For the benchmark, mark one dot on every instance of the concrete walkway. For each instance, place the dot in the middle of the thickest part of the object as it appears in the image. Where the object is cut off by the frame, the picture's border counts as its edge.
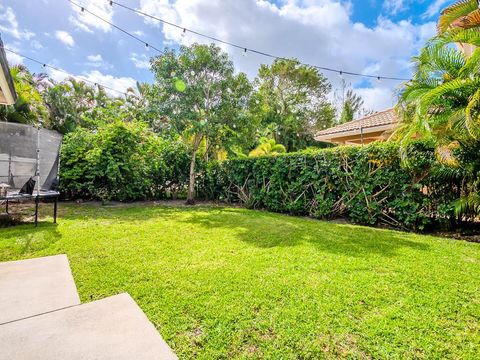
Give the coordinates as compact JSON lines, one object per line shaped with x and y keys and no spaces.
{"x":111,"y":328}
{"x":34,"y":286}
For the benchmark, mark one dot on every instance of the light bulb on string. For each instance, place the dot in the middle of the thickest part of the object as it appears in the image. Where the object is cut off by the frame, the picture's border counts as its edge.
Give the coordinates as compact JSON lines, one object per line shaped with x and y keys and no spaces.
{"x":184,"y":33}
{"x":147,"y":46}
{"x":245,"y":52}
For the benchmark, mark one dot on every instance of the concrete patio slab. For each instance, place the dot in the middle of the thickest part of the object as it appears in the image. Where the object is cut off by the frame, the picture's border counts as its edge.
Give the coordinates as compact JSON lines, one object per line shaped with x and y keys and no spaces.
{"x":111,"y":328}
{"x":35,"y":286}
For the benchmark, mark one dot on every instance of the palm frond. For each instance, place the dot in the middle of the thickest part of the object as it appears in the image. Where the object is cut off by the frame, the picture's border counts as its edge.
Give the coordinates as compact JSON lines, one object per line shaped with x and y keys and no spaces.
{"x":471,"y":118}
{"x":445,"y":154}
{"x":454,"y":13}
{"x":468,"y":205}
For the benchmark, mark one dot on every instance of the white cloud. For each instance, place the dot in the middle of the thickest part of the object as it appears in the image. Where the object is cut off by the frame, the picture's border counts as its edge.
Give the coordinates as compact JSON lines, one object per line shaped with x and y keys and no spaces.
{"x":87,"y":22}
{"x":9,"y":25}
{"x":65,"y":38}
{"x":79,"y":25}
{"x":393,"y":6}
{"x":117,"y":83}
{"x":138,"y":33}
{"x":95,"y":58}
{"x":35,"y":44}
{"x":13,"y":59}
{"x":95,"y":76}
{"x":377,"y":98}
{"x":319,"y":32}
{"x":58,"y":75}
{"x":434,"y":8}
{"x":140,"y":61}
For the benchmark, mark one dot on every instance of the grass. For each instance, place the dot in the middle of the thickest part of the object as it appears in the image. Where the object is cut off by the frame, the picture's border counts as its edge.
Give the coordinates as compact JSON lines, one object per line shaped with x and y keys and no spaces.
{"x":235,"y":283}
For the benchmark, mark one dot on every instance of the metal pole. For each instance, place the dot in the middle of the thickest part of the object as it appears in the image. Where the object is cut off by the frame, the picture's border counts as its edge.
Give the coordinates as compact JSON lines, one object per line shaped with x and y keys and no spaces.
{"x":36,"y":210}
{"x":55,"y":210}
{"x":38,"y":161}
{"x":38,"y":176}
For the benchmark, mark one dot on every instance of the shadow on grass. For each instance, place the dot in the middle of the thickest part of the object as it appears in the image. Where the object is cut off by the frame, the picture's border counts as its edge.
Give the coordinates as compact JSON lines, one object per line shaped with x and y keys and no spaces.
{"x":266,"y":230}
{"x":261,"y":229}
{"x":23,"y":239}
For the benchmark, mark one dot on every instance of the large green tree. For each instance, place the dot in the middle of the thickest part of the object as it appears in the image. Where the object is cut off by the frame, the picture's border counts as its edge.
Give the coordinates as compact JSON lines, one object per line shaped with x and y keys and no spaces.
{"x":293,"y":98}
{"x":205,"y":101}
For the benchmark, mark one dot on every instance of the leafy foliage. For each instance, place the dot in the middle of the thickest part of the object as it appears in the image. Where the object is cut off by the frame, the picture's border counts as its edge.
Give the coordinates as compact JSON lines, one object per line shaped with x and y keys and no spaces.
{"x":291,"y":100}
{"x":29,"y":107}
{"x":122,"y":161}
{"x":199,"y":92}
{"x":268,"y":147}
{"x":367,"y":184}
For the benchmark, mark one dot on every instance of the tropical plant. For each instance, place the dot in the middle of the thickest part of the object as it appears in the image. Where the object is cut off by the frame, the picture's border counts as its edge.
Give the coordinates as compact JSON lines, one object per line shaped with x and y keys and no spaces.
{"x":29,"y":107}
{"x":442,"y":103}
{"x":352,"y":105}
{"x":463,"y":14}
{"x":267,"y":147}
{"x":293,"y":98}
{"x":199,"y":92}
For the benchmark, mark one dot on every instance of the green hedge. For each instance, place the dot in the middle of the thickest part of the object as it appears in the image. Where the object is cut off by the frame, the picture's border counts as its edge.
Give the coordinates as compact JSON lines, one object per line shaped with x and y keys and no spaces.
{"x":367,"y":185}
{"x":122,"y":161}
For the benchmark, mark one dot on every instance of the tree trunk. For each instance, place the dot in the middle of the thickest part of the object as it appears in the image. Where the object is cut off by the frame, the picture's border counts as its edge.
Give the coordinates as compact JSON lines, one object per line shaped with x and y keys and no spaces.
{"x":191,"y":180}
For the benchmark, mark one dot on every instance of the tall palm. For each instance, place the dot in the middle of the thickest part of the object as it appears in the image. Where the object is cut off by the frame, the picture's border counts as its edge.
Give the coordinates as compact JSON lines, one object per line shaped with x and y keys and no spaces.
{"x":442,"y":103}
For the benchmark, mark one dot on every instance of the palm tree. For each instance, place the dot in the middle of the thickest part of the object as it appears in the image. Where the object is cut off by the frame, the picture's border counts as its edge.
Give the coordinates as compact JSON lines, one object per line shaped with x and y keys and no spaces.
{"x":267,"y":147}
{"x":464,"y":14}
{"x":352,"y":105}
{"x":442,"y":103}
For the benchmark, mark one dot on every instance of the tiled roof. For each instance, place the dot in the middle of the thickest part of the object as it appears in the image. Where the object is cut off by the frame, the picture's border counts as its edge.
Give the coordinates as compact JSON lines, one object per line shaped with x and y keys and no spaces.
{"x":378,"y":119}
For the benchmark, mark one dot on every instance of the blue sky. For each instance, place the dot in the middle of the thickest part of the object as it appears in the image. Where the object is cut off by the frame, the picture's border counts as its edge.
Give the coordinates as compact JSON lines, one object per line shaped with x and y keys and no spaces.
{"x":369,"y":36}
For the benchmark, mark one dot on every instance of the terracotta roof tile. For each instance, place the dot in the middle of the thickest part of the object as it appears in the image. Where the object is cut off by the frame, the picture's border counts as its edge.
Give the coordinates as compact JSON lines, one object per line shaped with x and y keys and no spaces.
{"x":378,"y":119}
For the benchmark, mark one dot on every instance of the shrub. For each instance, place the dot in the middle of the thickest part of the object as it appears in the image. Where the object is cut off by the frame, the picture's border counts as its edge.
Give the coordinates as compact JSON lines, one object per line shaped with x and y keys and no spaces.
{"x":122,"y":161}
{"x":368,"y":185}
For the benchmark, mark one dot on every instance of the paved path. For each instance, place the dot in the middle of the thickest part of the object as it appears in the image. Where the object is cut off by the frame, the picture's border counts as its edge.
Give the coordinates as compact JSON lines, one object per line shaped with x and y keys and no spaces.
{"x":42,"y":318}
{"x":35,"y":286}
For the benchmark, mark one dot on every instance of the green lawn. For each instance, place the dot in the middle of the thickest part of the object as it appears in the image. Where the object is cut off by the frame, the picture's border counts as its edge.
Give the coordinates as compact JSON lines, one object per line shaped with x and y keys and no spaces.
{"x":234,"y":283}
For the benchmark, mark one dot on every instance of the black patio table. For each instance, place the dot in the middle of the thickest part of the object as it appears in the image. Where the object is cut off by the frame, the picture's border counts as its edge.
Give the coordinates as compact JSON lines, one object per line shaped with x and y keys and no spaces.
{"x":36,"y":196}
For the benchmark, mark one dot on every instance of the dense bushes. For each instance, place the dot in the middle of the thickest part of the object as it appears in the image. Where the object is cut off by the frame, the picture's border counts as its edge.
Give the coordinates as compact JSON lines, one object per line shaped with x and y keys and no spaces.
{"x":122,"y":161}
{"x":368,"y":185}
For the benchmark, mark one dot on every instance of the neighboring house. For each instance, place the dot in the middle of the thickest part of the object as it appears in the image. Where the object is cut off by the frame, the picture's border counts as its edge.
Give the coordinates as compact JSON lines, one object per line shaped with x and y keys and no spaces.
{"x":378,"y":126}
{"x":8,"y":95}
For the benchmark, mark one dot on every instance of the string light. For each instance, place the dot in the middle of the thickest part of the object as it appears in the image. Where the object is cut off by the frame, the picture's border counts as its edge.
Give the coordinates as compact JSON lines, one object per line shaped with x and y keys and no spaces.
{"x":45,"y":65}
{"x":245,"y":49}
{"x":147,"y":46}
